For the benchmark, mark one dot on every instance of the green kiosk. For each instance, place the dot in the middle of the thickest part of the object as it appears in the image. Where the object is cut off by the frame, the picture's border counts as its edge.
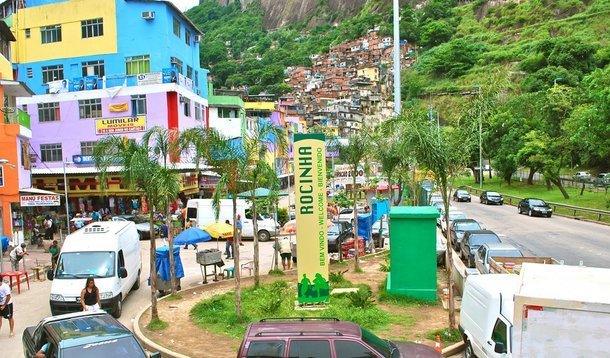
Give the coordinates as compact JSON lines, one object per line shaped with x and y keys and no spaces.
{"x":413,"y":252}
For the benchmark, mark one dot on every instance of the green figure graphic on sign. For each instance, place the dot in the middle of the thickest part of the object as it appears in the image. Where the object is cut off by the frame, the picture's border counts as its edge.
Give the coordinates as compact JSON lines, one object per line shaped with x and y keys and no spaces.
{"x":305,"y":283}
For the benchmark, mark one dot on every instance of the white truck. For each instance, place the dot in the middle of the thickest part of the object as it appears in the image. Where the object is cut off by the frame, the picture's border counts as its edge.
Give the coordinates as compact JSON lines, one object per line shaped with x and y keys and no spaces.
{"x":545,"y":311}
{"x":200,"y":212}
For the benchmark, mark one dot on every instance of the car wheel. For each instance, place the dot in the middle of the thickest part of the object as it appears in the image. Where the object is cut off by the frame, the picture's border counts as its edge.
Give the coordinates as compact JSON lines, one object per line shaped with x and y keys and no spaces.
{"x":529,"y":212}
{"x":118,"y":308}
{"x":263,"y":236}
{"x":137,"y":284}
{"x":468,"y":352}
{"x":549,"y":215}
{"x":519,"y":209}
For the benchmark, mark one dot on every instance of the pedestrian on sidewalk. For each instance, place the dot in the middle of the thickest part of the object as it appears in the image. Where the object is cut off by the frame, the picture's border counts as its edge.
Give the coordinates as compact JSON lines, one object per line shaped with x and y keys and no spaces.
{"x":239,"y":226}
{"x":17,"y":255}
{"x":286,"y":253}
{"x":90,"y":296}
{"x":6,"y":307}
{"x":48,"y":228}
{"x":229,"y":249}
{"x":54,"y":250}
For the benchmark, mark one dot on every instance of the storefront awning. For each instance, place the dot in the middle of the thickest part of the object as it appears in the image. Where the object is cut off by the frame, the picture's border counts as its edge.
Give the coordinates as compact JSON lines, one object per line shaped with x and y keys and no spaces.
{"x":36,"y":191}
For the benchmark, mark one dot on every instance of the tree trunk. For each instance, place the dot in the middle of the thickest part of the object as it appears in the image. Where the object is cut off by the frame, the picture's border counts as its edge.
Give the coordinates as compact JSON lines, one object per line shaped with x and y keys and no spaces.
{"x":170,"y":240}
{"x":449,"y":263}
{"x":355,"y":227}
{"x":582,"y":188}
{"x":237,"y":268}
{"x":549,"y":187}
{"x":563,"y":191}
{"x":154,"y":313}
{"x":530,"y":176}
{"x":255,"y":227}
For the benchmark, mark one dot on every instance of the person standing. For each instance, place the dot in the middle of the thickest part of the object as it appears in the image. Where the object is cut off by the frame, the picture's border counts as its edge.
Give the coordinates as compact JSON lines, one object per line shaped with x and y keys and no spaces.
{"x":17,"y":255}
{"x":6,"y":307}
{"x":54,"y":250}
{"x":286,"y":253}
{"x":239,"y":226}
{"x":229,"y":244}
{"x":48,"y":228}
{"x":90,"y":296}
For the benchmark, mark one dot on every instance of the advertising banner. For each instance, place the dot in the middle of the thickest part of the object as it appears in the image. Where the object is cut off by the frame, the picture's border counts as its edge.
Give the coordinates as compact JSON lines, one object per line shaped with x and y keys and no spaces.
{"x":312,"y":244}
{"x":91,"y":83}
{"x":120,"y":125}
{"x":344,"y":175}
{"x":169,"y":75}
{"x":151,"y":78}
{"x":39,"y":200}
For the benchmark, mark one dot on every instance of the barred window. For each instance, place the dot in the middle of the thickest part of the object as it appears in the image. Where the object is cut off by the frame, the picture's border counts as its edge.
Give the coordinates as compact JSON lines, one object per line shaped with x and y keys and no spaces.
{"x":86,"y":148}
{"x":187,"y":106}
{"x":50,"y":34}
{"x":189,"y":72}
{"x":52,"y":73}
{"x":177,"y":27}
{"x":138,"y":105}
{"x":50,"y":152}
{"x":92,"y":28}
{"x":48,"y":112}
{"x":90,"y":108}
{"x":187,"y":37}
{"x":137,"y":64}
{"x":93,"y":68}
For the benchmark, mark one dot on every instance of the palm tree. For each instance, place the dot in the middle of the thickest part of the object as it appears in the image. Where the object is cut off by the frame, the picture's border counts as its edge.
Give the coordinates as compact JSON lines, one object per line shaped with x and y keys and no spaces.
{"x":353,"y":153}
{"x":143,"y":173}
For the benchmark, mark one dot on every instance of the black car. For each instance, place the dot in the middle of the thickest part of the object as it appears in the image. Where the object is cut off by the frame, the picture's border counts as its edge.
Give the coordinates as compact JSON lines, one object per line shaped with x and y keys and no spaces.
{"x":535,"y":207}
{"x":82,"y":334}
{"x":471,"y":242}
{"x":340,"y":231}
{"x":458,"y":228}
{"x":461,"y":195}
{"x":491,"y":197}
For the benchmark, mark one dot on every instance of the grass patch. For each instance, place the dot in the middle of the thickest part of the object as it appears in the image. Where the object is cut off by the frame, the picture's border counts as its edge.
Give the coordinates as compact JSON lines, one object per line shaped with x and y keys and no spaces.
{"x":447,"y":336}
{"x":174,"y":297}
{"x":401,"y":301}
{"x":340,"y":264}
{"x":277,"y":300}
{"x":276,"y":272}
{"x":358,"y":269}
{"x":157,"y":325}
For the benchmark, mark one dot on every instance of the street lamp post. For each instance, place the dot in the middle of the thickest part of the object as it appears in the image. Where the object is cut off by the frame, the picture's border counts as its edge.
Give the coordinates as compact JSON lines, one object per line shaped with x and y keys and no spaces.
{"x":66,"y":195}
{"x":480,"y":140}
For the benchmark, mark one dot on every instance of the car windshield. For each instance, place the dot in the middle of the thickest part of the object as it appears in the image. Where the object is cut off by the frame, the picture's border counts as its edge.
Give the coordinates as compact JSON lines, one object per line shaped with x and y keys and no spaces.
{"x":381,"y":346}
{"x":118,"y":347}
{"x":478,"y":240}
{"x":85,"y":264}
{"x":462,"y":192}
{"x":505,"y":253}
{"x":335,"y":229}
{"x":537,"y":202}
{"x":492,"y":194}
{"x":467,"y":226}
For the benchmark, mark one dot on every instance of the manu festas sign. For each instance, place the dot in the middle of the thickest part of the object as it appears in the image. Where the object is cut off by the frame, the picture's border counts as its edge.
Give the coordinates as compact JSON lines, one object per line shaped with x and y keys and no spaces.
{"x":39,"y":200}
{"x":120,"y":125}
{"x":312,"y":244}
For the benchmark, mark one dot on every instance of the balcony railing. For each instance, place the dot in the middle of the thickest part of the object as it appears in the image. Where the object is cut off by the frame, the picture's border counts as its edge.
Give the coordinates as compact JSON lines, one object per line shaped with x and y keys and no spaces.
{"x":14,"y":115}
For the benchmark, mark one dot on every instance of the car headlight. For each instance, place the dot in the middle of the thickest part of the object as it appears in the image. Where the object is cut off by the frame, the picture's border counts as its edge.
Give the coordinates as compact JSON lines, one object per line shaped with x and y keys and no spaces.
{"x":105,"y":295}
{"x":56,"y":297}
{"x":537,"y":209}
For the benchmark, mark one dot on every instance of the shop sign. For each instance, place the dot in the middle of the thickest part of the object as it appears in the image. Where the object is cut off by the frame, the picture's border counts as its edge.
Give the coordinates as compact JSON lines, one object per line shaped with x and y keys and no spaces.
{"x":312,"y":244}
{"x":39,"y":200}
{"x":151,"y":78}
{"x":82,"y":159}
{"x":120,"y":125}
{"x":344,"y":175}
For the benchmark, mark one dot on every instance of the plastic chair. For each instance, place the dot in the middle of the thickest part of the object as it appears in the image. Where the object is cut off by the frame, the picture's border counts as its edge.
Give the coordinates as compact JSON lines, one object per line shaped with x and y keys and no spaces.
{"x":248,"y":266}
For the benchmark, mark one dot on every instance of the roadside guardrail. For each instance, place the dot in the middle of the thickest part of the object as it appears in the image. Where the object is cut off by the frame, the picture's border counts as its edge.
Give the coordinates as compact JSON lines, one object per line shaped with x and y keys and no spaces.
{"x":575,"y":212}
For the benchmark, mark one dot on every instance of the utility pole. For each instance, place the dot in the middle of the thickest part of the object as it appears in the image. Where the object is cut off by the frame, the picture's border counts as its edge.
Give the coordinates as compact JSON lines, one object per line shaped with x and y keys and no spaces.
{"x":397,"y":99}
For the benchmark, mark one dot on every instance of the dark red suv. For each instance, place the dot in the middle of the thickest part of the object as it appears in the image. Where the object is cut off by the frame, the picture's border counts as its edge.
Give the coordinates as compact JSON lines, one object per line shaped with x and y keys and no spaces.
{"x":322,"y":338}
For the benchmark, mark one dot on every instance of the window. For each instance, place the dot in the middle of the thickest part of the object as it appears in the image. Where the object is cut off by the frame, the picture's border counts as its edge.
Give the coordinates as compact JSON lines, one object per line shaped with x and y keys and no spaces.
{"x":50,"y":152}
{"x":187,"y":106}
{"x":187,"y":37}
{"x":48,"y":112}
{"x":227,"y":113}
{"x":351,"y":349}
{"x":92,"y":28}
{"x":197,"y":111}
{"x":50,"y":34}
{"x":138,"y":105}
{"x":499,"y":334}
{"x":311,"y":349}
{"x":52,"y":73}
{"x":93,"y":68}
{"x":176,"y":27}
{"x":30,"y":72}
{"x":2,"y":184}
{"x":196,"y":79}
{"x":137,"y":64}
{"x":271,"y":349}
{"x":86,"y":148}
{"x":189,"y":72}
{"x":177,"y":63}
{"x":27,"y":33}
{"x":90,"y":108}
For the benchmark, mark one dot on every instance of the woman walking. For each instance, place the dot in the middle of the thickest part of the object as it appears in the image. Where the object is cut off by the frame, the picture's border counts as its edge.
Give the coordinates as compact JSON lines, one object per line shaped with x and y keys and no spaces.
{"x":54,"y":250}
{"x":90,"y":296}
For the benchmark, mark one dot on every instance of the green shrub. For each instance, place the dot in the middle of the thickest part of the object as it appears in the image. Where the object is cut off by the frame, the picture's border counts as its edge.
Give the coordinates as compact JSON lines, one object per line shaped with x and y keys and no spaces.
{"x":363,"y":298}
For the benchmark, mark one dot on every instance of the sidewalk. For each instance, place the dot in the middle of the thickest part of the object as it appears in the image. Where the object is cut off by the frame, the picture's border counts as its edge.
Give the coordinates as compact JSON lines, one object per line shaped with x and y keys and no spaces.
{"x":36,"y":257}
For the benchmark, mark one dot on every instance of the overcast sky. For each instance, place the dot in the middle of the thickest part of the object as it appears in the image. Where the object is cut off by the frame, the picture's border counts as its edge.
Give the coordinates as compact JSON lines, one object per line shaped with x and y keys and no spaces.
{"x":185,"y":4}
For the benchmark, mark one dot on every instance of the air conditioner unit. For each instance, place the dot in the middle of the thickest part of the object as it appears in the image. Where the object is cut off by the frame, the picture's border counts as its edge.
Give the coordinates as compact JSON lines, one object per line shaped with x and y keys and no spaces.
{"x":148,"y":15}
{"x":197,"y":38}
{"x":173,"y":60}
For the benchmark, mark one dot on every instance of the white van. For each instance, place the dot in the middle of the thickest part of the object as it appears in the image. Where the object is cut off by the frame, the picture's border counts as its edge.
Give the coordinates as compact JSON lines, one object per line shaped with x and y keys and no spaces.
{"x":109,"y":252}
{"x":486,"y":314}
{"x":200,"y":212}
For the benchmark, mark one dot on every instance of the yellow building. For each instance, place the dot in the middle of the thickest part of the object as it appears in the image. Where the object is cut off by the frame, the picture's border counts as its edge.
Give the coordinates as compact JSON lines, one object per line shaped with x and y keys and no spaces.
{"x":372,"y":73}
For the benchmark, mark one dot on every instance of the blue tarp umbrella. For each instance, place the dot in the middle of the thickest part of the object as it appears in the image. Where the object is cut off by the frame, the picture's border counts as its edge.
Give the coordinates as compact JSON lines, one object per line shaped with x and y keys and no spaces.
{"x":192,"y":236}
{"x":162,"y":263}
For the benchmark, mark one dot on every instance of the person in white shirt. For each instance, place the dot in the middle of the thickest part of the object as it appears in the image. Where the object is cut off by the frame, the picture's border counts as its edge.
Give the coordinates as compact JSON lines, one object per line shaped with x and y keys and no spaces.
{"x":16,"y":255}
{"x":6,"y":307}
{"x":286,"y":252}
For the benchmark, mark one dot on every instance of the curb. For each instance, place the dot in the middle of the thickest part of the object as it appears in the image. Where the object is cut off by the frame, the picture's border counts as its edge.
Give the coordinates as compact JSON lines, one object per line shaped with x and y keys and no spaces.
{"x":453,"y":349}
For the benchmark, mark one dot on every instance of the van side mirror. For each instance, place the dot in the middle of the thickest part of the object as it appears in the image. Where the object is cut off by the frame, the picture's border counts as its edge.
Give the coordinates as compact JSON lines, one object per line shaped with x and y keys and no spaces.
{"x":122,"y":272}
{"x":499,"y":348}
{"x":50,"y":275}
{"x":155,"y":355}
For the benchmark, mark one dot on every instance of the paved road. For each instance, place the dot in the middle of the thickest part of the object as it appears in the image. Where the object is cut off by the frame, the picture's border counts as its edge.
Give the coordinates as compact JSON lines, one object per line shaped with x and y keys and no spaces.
{"x":562,"y":238}
{"x":33,"y":305}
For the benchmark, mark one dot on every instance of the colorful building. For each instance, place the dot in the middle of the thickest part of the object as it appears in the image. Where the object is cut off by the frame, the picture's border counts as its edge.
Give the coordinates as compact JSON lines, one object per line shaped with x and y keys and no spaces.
{"x":105,"y":67}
